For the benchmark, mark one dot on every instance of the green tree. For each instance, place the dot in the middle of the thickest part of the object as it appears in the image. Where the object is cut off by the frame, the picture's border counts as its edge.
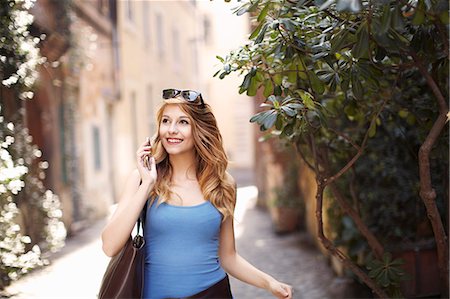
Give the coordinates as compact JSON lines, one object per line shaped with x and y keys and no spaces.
{"x":346,"y":81}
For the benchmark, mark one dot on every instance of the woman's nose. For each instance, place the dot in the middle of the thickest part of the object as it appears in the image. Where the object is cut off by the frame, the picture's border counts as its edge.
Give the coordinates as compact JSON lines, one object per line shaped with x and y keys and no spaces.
{"x":173,"y":128}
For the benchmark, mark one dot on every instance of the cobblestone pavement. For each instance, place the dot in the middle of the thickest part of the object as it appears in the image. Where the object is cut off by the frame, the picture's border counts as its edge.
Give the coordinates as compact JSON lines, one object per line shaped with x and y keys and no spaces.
{"x":291,"y":258}
{"x":77,"y":270}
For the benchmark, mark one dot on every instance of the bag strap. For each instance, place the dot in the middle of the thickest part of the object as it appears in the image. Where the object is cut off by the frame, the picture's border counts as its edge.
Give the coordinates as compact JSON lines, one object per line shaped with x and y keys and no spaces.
{"x":139,"y":240}
{"x":142,"y":216}
{"x":141,"y":219}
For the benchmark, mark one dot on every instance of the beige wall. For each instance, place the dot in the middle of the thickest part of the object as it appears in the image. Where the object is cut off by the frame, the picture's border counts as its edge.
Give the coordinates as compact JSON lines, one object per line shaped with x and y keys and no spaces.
{"x":91,"y":58}
{"x":233,"y":111}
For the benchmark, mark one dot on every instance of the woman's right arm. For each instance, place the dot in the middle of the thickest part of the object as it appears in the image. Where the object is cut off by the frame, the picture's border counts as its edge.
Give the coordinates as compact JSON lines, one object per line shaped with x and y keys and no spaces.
{"x":119,"y":227}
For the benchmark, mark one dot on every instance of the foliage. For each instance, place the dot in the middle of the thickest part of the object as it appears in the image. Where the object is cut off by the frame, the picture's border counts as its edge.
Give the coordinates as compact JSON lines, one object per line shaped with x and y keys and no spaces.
{"x":19,"y":54}
{"x":388,"y":273}
{"x":334,"y":73}
{"x":15,"y":260}
{"x":30,"y":215}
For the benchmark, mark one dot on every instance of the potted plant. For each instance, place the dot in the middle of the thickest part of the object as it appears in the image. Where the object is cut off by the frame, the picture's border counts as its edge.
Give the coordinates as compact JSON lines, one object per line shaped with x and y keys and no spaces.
{"x":285,"y":205}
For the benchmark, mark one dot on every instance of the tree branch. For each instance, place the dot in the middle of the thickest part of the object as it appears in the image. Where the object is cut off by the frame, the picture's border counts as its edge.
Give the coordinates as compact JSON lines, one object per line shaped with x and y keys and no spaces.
{"x":427,"y":192}
{"x":336,"y":252}
{"x":361,"y":148}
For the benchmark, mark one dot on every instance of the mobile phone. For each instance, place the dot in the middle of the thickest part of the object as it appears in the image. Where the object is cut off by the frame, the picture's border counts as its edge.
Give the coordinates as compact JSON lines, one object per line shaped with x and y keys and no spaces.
{"x":147,"y":157}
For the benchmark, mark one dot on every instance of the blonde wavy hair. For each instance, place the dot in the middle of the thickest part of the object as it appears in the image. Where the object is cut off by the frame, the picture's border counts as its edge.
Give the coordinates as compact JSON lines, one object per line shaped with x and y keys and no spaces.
{"x":211,"y":159}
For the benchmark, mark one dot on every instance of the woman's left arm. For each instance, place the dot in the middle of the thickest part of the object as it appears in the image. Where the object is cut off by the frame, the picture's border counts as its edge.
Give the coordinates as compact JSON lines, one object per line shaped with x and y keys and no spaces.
{"x":239,"y":268}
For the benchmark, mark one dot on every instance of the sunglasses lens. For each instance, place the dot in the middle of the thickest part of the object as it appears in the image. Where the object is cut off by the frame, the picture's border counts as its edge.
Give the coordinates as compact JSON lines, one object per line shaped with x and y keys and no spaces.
{"x":190,"y":95}
{"x":170,"y":93}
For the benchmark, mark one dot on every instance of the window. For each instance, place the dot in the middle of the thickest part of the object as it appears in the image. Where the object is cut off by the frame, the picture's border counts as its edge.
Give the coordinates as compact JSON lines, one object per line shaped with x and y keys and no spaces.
{"x":194,"y":55}
{"x":134,"y":119}
{"x":159,"y":35}
{"x":206,"y":30}
{"x":103,"y":7}
{"x":146,"y":23}
{"x":176,"y":50}
{"x":96,"y":148}
{"x":62,"y":142}
{"x":151,"y":110}
{"x":129,"y":10}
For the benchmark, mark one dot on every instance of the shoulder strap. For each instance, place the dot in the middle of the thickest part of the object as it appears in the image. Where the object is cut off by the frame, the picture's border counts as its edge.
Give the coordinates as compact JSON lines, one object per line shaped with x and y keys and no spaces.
{"x":141,"y":219}
{"x":142,"y":216}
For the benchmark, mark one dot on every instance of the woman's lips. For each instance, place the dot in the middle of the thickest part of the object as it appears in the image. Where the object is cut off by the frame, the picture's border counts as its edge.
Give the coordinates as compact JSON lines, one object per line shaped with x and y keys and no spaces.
{"x":174,"y":141}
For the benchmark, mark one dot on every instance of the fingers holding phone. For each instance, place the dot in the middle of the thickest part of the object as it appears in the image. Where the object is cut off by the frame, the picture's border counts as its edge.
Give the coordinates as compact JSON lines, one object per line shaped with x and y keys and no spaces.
{"x":146,"y":162}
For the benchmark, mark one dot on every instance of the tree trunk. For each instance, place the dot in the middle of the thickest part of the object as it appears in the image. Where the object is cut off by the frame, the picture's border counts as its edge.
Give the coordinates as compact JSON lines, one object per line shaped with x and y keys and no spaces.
{"x":336,"y":252}
{"x":428,"y":195}
{"x":427,"y":192}
{"x":373,"y":242}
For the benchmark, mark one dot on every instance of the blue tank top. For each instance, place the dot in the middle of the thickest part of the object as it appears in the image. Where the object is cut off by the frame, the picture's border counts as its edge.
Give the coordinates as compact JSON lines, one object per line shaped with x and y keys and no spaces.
{"x":181,"y":250}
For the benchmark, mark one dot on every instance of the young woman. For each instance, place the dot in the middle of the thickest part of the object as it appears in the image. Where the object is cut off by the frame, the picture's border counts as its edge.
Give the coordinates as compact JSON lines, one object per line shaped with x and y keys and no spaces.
{"x":190,"y":245}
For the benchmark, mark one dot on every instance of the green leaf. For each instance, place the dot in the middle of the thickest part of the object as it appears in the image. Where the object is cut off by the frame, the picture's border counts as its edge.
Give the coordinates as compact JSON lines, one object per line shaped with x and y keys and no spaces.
{"x":403,"y":113}
{"x":443,"y":16}
{"x":247,"y":80}
{"x":387,"y":258}
{"x":292,"y":76}
{"x":338,"y":41}
{"x":256,"y":31}
{"x":259,"y":76}
{"x":264,"y":12}
{"x":307,"y":100}
{"x":268,"y":88}
{"x":419,"y":16}
{"x":385,"y":19}
{"x":269,"y":120}
{"x":400,"y":39}
{"x":258,"y":116}
{"x":357,"y":87}
{"x":397,"y":21}
{"x":261,"y":34}
{"x":372,"y":129}
{"x":279,"y":122}
{"x":375,"y":271}
{"x":289,"y":112}
{"x":326,"y":4}
{"x":277,"y":79}
{"x":277,"y":90}
{"x":253,"y":6}
{"x":242,"y":10}
{"x":253,"y":87}
{"x":361,"y":47}
{"x":411,"y":119}
{"x":317,"y":85}
{"x":288,"y":24}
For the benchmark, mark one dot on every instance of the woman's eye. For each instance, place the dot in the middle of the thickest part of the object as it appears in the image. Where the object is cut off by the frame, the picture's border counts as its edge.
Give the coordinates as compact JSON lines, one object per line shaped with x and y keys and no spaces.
{"x":164,"y":121}
{"x":184,"y":122}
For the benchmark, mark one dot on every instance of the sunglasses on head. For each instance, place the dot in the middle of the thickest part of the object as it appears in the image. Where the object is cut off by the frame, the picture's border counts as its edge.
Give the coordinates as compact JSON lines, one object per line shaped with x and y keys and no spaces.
{"x":188,"y":95}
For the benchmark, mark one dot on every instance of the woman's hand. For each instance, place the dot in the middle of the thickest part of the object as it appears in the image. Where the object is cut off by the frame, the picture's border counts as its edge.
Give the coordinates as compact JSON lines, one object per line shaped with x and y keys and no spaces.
{"x":148,"y":174}
{"x":280,"y":290}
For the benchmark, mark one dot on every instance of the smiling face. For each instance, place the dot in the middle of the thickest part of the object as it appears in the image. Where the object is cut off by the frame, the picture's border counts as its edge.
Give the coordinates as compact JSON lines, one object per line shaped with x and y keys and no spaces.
{"x":175,"y":131}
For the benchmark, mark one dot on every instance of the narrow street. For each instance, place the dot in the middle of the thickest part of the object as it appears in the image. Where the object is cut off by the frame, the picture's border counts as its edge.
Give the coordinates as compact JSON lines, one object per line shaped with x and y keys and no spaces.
{"x":76,"y":271}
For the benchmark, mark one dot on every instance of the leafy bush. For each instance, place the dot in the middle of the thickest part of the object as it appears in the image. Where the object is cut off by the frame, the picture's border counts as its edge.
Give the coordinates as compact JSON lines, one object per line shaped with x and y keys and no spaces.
{"x":30,"y":215}
{"x":360,"y":88}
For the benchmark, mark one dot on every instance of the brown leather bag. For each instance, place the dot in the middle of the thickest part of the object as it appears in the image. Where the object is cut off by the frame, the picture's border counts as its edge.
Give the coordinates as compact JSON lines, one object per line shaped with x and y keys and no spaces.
{"x":124,"y":275}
